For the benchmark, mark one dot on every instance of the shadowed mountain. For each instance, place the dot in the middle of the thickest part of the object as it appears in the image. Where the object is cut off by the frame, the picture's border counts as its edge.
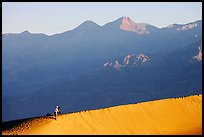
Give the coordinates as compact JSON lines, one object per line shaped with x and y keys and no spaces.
{"x":68,"y":67}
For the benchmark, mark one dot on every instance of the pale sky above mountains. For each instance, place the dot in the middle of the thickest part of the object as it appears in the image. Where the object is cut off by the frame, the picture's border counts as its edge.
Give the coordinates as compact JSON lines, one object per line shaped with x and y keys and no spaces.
{"x":52,"y":17}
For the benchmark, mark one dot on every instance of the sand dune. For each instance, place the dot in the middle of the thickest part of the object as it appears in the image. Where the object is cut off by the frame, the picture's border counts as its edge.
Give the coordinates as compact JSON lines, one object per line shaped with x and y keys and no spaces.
{"x":167,"y":116}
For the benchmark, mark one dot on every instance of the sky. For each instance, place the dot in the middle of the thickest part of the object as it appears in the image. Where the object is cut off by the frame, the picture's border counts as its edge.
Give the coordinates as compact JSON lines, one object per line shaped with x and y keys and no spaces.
{"x":56,"y":17}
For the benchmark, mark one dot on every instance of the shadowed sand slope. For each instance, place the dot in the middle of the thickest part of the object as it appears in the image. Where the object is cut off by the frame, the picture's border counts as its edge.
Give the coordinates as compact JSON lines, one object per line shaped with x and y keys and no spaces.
{"x":167,"y":116}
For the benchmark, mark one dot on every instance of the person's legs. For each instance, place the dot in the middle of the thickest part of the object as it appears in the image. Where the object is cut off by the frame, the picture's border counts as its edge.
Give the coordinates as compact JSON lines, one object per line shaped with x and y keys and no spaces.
{"x":55,"y":115}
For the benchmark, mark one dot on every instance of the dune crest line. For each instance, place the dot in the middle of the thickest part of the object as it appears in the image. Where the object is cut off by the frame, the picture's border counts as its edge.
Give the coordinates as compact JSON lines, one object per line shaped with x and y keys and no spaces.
{"x":167,"y":116}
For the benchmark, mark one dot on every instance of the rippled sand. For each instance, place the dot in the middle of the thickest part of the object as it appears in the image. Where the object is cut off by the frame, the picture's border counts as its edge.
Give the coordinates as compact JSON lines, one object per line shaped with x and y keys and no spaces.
{"x":167,"y":116}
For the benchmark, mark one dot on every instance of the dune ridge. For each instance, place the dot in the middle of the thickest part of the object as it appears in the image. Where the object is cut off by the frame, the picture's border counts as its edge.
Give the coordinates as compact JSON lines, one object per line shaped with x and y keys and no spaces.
{"x":167,"y":116}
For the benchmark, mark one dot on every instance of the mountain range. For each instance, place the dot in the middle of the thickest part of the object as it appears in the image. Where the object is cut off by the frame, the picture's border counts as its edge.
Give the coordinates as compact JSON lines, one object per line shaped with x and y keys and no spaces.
{"x":96,"y":66}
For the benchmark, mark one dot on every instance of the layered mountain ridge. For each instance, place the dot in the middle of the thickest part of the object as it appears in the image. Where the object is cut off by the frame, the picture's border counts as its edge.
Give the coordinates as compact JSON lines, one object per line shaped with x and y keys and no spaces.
{"x":127,"y":24}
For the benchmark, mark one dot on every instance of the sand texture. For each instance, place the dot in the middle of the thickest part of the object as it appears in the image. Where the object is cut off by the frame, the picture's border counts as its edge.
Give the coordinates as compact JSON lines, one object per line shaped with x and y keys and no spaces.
{"x":167,"y":116}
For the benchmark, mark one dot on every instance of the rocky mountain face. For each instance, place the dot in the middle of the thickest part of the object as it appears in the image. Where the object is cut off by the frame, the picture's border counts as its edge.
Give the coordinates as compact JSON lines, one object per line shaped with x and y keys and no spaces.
{"x":129,"y":25}
{"x":69,"y":68}
{"x":130,"y":60}
{"x":188,"y":26}
{"x":199,"y":56}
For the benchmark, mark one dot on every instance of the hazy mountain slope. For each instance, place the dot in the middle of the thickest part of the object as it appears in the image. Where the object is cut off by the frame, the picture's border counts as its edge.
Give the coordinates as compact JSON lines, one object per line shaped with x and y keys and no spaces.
{"x":173,"y":75}
{"x":66,"y":65}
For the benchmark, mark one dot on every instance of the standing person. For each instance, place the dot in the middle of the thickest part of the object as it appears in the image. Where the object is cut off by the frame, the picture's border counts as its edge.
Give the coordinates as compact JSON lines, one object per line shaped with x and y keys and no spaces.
{"x":56,"y":111}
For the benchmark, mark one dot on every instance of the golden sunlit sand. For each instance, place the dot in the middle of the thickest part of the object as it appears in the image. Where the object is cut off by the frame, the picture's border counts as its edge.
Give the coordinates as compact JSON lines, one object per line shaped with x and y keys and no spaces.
{"x":167,"y":116}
